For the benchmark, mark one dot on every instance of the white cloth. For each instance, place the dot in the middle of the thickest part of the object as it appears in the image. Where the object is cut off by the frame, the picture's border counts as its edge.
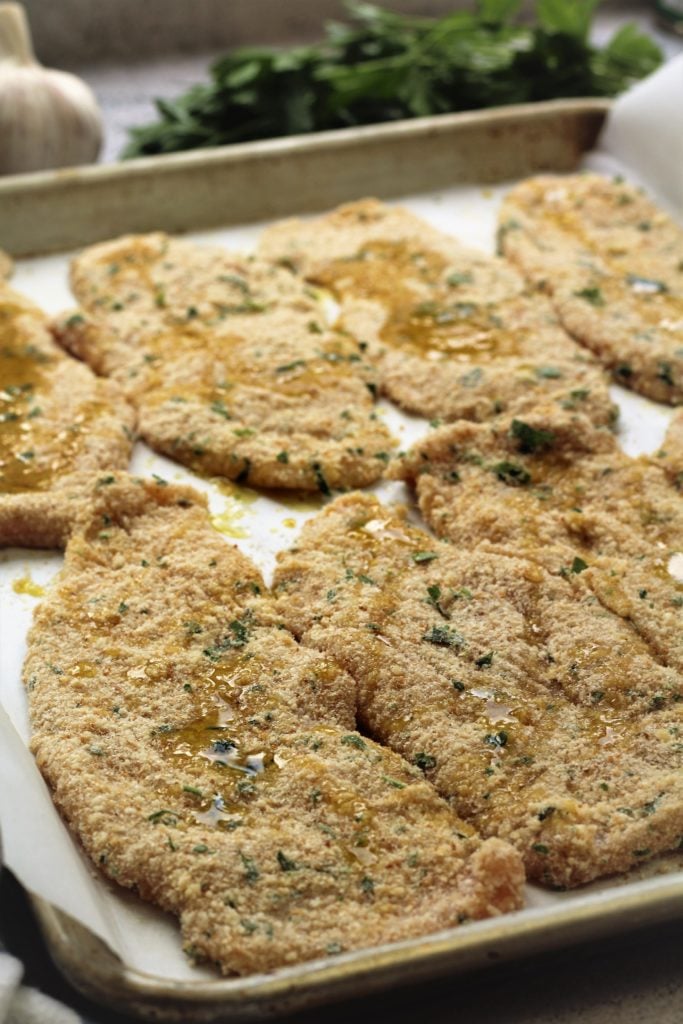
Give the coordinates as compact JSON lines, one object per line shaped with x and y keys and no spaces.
{"x":21,"y":1005}
{"x":644,"y":131}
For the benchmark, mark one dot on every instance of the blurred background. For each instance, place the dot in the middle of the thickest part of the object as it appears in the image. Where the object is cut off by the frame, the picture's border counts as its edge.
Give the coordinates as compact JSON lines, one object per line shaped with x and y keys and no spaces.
{"x":132,"y":52}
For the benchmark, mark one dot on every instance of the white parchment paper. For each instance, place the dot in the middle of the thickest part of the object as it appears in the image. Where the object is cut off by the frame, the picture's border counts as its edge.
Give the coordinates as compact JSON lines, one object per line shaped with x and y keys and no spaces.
{"x":37,"y":846}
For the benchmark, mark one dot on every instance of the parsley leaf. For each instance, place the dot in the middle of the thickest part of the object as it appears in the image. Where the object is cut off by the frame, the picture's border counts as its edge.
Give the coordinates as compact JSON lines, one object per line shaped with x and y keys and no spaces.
{"x":530,"y":439}
{"x":384,"y":66}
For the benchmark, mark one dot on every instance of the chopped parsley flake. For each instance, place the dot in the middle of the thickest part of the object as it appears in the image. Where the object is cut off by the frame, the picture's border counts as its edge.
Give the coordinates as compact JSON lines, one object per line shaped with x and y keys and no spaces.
{"x":592,"y":295}
{"x":511,"y":473}
{"x":530,"y":439}
{"x":424,"y":556}
{"x":322,"y":483}
{"x":444,"y":636}
{"x":464,"y":277}
{"x":285,"y":863}
{"x":352,"y":740}
{"x":424,"y":761}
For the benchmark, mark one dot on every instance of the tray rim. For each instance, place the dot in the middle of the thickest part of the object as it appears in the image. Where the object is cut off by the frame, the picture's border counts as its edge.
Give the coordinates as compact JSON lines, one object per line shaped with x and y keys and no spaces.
{"x":483,"y":943}
{"x":142,"y":181}
{"x":337,"y":138}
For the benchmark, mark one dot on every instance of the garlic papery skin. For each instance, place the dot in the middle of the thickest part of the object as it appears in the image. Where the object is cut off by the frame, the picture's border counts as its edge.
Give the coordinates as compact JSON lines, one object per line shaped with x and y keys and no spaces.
{"x":47,"y":118}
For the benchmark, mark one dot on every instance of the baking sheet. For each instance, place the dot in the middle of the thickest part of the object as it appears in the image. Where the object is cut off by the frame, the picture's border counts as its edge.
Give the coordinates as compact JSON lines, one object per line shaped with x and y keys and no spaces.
{"x":146,"y":941}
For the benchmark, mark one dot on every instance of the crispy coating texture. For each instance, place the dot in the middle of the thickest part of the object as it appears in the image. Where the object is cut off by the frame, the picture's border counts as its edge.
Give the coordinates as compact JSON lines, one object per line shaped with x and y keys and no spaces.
{"x":613,"y":264}
{"x":456,"y":334}
{"x":60,"y":429}
{"x":208,"y":761}
{"x":541,"y":715}
{"x":229,"y":363}
{"x":555,"y":489}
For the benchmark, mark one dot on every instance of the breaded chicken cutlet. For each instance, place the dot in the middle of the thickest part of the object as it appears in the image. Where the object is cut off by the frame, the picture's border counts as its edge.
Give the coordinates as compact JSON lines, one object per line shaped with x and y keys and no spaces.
{"x":456,"y":334}
{"x":613,"y":263}
{"x":551,"y":478}
{"x":228,"y":362}
{"x":542,"y":716}
{"x":555,"y":489}
{"x":208,"y":761}
{"x":60,"y":430}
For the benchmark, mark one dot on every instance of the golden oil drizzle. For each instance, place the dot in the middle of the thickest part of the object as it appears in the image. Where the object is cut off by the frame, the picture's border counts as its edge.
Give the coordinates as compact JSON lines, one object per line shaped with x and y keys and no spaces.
{"x":423,"y":312}
{"x":26,"y":585}
{"x":32,"y":452}
{"x":227,"y":523}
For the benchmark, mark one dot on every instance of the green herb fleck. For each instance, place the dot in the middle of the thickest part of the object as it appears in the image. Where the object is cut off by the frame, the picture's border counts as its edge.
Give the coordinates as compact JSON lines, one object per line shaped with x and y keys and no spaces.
{"x":530,"y":439}
{"x":285,"y":863}
{"x":193,"y":791}
{"x":320,"y":480}
{"x":592,"y":295}
{"x":424,"y":761}
{"x":511,"y":474}
{"x":444,"y":636}
{"x":219,"y":408}
{"x":352,"y":740}
{"x":547,"y":373}
{"x":424,"y":556}
{"x":665,"y":373}
{"x":251,"y":872}
{"x":457,"y":278}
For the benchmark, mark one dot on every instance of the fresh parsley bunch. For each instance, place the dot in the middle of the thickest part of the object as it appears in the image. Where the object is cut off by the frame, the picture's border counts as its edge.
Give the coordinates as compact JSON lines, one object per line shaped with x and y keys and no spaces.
{"x":385,"y":66}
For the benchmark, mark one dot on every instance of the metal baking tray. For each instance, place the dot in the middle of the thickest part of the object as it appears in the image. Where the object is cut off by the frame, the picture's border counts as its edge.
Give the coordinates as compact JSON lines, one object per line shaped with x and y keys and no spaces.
{"x":255,"y":181}
{"x":57,"y":211}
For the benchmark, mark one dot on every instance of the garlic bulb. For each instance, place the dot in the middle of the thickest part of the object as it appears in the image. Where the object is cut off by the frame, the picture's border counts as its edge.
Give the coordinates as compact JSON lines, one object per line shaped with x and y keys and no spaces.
{"x":47,"y":118}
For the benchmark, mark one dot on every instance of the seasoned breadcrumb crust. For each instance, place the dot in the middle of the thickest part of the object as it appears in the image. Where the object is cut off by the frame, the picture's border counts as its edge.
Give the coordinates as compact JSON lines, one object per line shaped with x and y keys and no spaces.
{"x":456,"y":334}
{"x":537,"y":710}
{"x":229,"y":363}
{"x":612,"y":261}
{"x":199,"y":736}
{"x":208,"y":761}
{"x":556,"y":490}
{"x":61,"y":429}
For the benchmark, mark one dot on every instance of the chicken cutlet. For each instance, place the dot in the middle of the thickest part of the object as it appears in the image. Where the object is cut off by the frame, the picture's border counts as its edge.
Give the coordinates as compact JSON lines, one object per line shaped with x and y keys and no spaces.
{"x":541,"y":716}
{"x":60,"y":430}
{"x":613,"y":263}
{"x":456,"y":334}
{"x":209,"y":762}
{"x":229,"y":364}
{"x":555,"y":489}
